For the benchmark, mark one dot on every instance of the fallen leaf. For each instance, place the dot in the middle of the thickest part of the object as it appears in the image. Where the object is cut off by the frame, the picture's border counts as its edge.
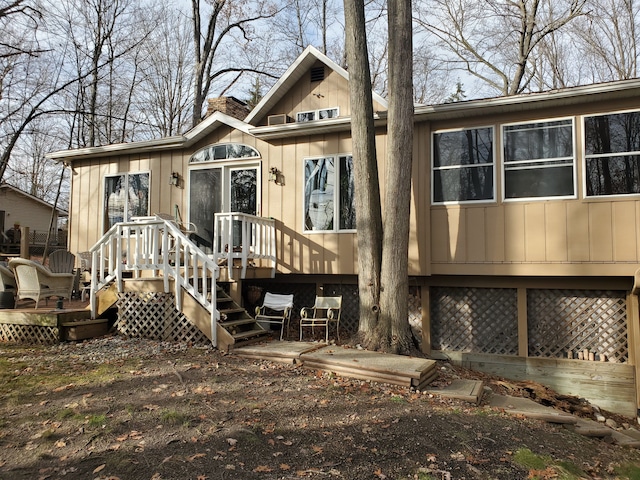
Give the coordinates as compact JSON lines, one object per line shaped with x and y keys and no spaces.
{"x":60,"y":444}
{"x":197,"y":455}
{"x":99,"y":468}
{"x":232,"y":441}
{"x":284,"y":466}
{"x":262,"y":468}
{"x":378,"y":473}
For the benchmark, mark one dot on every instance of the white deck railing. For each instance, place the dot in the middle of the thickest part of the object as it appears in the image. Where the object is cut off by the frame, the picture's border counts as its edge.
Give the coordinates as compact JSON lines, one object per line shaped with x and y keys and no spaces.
{"x":152,"y":246}
{"x":245,"y":237}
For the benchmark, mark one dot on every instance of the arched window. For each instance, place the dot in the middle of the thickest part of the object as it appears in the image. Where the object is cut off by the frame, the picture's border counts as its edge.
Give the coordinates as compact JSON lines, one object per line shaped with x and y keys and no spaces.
{"x":224,"y":151}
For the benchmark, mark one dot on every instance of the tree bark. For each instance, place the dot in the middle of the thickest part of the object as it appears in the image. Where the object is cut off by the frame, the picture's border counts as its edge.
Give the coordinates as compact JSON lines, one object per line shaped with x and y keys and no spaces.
{"x":367,"y":189}
{"x":393,"y":326}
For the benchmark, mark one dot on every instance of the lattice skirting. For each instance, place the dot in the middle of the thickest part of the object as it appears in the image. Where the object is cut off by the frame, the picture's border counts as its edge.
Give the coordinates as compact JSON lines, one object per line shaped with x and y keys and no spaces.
{"x":565,"y":322}
{"x":560,"y":323}
{"x":479,"y":320}
{"x":153,"y":315}
{"x":34,"y":334}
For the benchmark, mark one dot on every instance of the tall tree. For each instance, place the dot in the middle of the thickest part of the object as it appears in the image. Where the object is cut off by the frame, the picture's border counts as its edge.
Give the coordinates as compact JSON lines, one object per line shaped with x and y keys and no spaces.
{"x":496,"y":40}
{"x":218,"y":34}
{"x":393,"y":329}
{"x":367,"y":189}
{"x":610,"y":33}
{"x":383,"y":241}
{"x":168,"y":75}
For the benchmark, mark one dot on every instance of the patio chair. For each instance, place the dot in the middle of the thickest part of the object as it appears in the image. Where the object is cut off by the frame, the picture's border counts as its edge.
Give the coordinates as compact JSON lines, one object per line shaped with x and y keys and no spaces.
{"x":7,"y":279}
{"x":326,"y":310}
{"x":62,"y":261}
{"x":36,"y":281}
{"x":276,"y":309}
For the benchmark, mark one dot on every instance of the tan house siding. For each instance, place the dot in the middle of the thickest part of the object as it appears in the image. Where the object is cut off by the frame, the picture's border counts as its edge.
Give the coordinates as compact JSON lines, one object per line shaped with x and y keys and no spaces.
{"x":571,"y":237}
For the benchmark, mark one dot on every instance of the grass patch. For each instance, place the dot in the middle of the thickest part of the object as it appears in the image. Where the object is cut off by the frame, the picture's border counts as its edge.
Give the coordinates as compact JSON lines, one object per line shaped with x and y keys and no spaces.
{"x":629,"y":471}
{"x":173,"y":417}
{"x":527,"y":459}
{"x":398,"y":399}
{"x":97,"y":421}
{"x":544,"y":465}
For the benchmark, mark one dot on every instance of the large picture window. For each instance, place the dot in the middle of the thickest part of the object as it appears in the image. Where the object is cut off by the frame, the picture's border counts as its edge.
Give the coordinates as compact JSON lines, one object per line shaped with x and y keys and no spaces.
{"x":126,"y":195}
{"x":539,"y":160}
{"x":329,"y":194}
{"x":612,"y":154}
{"x":463,"y":165}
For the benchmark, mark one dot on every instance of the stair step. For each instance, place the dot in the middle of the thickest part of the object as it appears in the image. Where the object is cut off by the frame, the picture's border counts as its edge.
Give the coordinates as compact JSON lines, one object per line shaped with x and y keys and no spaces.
{"x":250,"y":333}
{"x":227,"y":311}
{"x":224,"y":299}
{"x":235,"y":323}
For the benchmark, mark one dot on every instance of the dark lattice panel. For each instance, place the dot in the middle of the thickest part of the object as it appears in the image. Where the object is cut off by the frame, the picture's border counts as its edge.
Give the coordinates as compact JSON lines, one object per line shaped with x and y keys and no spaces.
{"x":478,"y":320}
{"x":563,"y":322}
{"x":350,"y":316}
{"x":35,"y":334}
{"x":153,"y":315}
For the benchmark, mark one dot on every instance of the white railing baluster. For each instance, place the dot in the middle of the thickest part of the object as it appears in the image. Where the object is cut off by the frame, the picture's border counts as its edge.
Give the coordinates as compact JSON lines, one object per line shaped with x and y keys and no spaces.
{"x":148,"y":243}
{"x":257,"y":240}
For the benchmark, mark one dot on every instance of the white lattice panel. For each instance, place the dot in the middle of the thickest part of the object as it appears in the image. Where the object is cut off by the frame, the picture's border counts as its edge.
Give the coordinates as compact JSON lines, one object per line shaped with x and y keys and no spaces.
{"x":477,"y":320}
{"x":36,"y":334}
{"x":563,"y":321}
{"x":153,"y":315}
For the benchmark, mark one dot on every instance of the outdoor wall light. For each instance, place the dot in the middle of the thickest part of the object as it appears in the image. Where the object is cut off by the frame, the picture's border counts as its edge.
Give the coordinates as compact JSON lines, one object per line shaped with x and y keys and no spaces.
{"x":174,"y":179}
{"x":275,"y":176}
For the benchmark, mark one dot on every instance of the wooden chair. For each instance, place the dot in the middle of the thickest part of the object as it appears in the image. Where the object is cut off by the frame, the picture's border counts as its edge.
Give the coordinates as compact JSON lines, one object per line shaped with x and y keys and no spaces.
{"x":62,"y":261}
{"x":325,"y":310}
{"x":276,"y":309}
{"x":36,"y":281}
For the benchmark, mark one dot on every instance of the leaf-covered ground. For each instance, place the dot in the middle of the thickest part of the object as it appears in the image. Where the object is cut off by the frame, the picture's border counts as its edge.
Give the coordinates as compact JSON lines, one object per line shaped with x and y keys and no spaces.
{"x":122,"y":409}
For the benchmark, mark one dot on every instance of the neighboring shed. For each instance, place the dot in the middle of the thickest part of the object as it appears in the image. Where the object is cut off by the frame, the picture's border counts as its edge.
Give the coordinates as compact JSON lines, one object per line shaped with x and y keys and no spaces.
{"x":19,"y":208}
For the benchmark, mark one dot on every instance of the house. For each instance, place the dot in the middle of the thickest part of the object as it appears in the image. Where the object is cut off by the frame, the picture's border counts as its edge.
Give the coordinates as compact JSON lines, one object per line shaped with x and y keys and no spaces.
{"x":21,"y":209}
{"x":525,"y":221}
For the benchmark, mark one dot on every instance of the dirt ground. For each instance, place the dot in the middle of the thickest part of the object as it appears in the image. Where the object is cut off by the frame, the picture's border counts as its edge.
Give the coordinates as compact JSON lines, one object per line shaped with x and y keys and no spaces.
{"x":115,"y":408}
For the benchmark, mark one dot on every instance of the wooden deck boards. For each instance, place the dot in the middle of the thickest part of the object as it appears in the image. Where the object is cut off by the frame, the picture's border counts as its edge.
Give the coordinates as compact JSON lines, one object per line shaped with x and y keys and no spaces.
{"x":350,"y":362}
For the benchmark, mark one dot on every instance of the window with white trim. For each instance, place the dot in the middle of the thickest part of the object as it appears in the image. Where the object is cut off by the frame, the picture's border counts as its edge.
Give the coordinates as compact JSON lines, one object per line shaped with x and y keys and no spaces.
{"x":463,"y":166}
{"x":612,"y":154}
{"x":322,"y":114}
{"x":329,"y":194}
{"x":539,"y":160}
{"x":126,"y":195}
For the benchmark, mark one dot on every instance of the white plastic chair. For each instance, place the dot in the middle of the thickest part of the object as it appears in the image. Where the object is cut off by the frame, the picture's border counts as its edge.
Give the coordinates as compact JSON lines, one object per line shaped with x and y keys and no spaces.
{"x":276,"y":309}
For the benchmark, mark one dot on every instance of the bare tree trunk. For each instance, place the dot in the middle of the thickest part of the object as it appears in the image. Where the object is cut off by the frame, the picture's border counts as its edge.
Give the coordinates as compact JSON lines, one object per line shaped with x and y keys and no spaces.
{"x":367,"y":198}
{"x":393,"y":324}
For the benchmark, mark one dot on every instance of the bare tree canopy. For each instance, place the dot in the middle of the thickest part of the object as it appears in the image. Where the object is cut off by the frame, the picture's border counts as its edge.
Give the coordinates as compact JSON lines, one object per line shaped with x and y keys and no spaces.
{"x":496,"y":40}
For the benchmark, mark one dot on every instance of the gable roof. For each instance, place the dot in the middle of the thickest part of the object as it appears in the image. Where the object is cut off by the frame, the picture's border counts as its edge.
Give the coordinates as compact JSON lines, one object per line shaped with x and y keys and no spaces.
{"x":5,"y":186}
{"x":300,"y":67}
{"x":208,"y":125}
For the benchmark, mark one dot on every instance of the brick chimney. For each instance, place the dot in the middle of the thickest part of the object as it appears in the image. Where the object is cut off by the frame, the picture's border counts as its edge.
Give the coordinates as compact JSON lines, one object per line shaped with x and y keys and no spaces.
{"x":228,"y":105}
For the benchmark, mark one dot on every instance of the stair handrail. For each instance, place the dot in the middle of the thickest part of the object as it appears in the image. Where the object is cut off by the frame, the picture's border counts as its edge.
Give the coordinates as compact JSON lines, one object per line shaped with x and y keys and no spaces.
{"x":257,"y":240}
{"x":152,"y":244}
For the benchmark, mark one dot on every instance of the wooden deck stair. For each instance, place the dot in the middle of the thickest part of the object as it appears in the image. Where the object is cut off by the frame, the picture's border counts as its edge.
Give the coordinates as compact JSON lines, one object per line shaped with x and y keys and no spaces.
{"x":235,"y":320}
{"x":235,"y":328}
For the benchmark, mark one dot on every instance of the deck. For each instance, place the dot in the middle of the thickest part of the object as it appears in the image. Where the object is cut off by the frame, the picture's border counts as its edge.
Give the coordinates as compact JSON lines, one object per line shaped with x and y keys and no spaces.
{"x":49,"y":325}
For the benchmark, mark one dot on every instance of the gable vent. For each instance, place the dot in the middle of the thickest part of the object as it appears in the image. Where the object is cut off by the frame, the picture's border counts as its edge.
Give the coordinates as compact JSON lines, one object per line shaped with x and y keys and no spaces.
{"x":317,"y":74}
